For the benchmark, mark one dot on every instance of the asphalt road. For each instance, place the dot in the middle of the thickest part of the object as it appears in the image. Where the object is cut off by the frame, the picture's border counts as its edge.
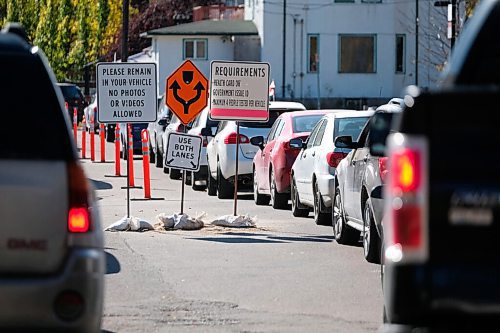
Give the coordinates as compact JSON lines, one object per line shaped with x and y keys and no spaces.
{"x":285,"y":275}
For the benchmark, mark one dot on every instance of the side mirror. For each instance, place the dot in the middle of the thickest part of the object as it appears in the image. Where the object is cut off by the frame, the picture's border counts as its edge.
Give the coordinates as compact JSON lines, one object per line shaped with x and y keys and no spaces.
{"x":345,"y":141}
{"x":296,"y":143}
{"x":206,"y":131}
{"x":163,"y":122}
{"x":258,"y":141}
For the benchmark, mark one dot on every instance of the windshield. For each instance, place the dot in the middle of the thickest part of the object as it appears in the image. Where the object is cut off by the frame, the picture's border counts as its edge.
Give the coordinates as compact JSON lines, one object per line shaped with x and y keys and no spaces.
{"x":305,"y":123}
{"x":350,"y":126}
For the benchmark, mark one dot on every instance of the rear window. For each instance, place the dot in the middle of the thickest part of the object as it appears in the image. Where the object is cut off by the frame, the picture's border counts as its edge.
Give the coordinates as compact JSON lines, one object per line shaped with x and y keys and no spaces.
{"x":350,"y":126}
{"x":71,"y":92}
{"x":34,"y":127}
{"x":305,"y":123}
{"x":273,"y":115}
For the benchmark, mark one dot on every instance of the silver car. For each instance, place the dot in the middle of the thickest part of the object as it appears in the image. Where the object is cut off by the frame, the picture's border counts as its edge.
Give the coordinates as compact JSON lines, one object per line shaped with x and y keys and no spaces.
{"x":221,"y":151}
{"x":51,"y":245}
{"x":313,"y":172}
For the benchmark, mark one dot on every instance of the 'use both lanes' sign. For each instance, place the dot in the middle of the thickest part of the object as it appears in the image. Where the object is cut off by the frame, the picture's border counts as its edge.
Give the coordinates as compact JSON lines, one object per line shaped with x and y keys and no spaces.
{"x":126,"y":92}
{"x":183,"y":151}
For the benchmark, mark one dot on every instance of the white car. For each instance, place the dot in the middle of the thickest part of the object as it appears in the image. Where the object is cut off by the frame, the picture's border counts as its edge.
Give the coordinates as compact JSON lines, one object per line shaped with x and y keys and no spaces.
{"x":221,"y":151}
{"x":313,"y":172}
{"x":198,"y":179}
{"x":156,"y":129}
{"x":89,"y":111}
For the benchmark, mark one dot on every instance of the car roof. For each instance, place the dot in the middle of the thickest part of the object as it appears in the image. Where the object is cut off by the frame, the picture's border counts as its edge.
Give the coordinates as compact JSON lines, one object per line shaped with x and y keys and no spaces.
{"x":349,"y":114}
{"x":389,"y":108}
{"x":13,"y":43}
{"x":65,"y":84}
{"x":292,"y":114}
{"x":286,"y":105}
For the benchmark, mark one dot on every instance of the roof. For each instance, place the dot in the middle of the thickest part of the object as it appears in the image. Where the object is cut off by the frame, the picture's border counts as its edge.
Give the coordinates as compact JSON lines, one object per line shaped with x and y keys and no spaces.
{"x":207,"y":28}
{"x":350,"y":114}
{"x":280,"y":105}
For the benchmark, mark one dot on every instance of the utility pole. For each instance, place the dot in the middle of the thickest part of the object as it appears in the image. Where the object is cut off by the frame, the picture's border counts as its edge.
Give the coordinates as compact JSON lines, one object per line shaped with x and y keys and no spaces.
{"x":125,"y":31}
{"x":416,"y":42}
{"x":452,"y":18}
{"x":283,"y":83}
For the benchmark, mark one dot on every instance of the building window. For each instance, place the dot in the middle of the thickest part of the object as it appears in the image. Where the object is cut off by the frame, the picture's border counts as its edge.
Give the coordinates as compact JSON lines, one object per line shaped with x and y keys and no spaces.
{"x":349,"y":1}
{"x":400,"y":53}
{"x":313,"y":51}
{"x":357,"y":53}
{"x":195,"y":49}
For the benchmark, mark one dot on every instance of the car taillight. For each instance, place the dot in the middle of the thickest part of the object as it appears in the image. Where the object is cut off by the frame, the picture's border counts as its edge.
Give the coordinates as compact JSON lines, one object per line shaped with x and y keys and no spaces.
{"x":180,"y":128}
{"x":204,"y":141}
{"x":406,"y":192}
{"x":78,"y":216}
{"x":231,"y":139}
{"x":382,"y":168}
{"x":333,"y":158}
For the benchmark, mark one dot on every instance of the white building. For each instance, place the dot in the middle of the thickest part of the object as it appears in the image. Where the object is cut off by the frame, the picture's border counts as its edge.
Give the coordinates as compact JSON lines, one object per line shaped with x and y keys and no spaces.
{"x":337,"y":53}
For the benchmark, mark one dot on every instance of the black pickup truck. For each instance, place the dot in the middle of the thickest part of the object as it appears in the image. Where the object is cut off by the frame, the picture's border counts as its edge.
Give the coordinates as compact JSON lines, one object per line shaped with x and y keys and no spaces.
{"x":441,"y":255}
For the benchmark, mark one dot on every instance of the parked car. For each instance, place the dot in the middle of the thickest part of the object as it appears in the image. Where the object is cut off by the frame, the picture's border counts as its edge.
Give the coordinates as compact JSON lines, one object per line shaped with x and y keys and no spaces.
{"x":91,"y":111}
{"x":358,"y":205}
{"x":198,"y":180}
{"x":313,"y":172}
{"x":73,"y":96}
{"x":273,"y":161}
{"x":221,"y":151}
{"x":156,"y":129}
{"x":175,"y":125}
{"x":442,"y":220}
{"x":136,"y":134}
{"x":52,"y":259}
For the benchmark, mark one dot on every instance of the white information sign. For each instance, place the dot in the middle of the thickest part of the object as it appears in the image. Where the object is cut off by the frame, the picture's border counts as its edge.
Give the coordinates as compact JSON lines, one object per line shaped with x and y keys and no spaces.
{"x":239,"y":91}
{"x":126,"y":92}
{"x":183,"y":151}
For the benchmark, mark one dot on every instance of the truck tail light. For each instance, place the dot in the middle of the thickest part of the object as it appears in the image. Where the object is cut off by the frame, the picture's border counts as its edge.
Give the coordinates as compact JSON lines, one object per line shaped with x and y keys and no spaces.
{"x":230,"y":139}
{"x":78,"y":215}
{"x":333,"y":158}
{"x":406,"y":200}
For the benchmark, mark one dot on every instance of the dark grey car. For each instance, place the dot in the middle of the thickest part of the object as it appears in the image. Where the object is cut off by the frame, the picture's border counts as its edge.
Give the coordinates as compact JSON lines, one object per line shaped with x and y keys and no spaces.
{"x":358,"y":207}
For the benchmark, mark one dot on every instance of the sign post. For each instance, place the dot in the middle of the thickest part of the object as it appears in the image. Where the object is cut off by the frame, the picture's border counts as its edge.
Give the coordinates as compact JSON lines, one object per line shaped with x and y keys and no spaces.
{"x":126,"y":93}
{"x":239,"y":91}
{"x":186,"y":96}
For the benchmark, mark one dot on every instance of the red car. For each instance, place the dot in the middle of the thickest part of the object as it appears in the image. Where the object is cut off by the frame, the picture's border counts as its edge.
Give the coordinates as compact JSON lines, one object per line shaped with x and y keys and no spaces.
{"x":274,"y":160}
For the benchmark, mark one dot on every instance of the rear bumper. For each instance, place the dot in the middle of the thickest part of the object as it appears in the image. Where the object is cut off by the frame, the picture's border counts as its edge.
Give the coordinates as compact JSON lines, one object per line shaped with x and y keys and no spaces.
{"x":326,"y":185}
{"x":28,"y":302}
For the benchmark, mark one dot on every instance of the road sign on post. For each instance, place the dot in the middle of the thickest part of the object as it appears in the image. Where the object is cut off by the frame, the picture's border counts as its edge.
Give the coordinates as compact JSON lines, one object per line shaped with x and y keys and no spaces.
{"x":126,"y":92}
{"x":186,"y":93}
{"x":239,"y":91}
{"x":183,"y":151}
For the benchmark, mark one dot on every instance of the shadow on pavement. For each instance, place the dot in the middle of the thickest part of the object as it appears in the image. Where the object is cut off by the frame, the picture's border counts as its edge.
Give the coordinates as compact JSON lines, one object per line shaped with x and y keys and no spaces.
{"x":100,"y":185}
{"x":301,"y":239}
{"x":112,"y":264}
{"x":237,"y":240}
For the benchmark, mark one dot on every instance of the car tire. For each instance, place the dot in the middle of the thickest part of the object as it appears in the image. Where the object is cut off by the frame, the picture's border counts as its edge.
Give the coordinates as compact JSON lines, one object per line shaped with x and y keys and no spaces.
{"x":188,"y":178}
{"x":175,"y":174}
{"x":194,"y":179}
{"x":125,"y":152}
{"x":343,"y":233}
{"x":152,"y":154}
{"x":211,"y":184}
{"x":297,"y":209}
{"x":259,"y":199}
{"x":319,"y":217}
{"x":278,"y":200}
{"x":225,"y":190}
{"x":159,"y":158}
{"x":110,"y":136}
{"x":371,"y":240}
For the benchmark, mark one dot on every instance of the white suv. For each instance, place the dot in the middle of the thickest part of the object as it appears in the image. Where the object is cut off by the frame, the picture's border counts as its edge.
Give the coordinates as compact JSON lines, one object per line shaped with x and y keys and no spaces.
{"x":221,"y":151}
{"x":51,"y":245}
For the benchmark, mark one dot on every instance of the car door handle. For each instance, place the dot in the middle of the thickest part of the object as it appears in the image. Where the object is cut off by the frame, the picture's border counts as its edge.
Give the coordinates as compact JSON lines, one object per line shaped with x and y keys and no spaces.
{"x":366,"y":158}
{"x":314,"y":153}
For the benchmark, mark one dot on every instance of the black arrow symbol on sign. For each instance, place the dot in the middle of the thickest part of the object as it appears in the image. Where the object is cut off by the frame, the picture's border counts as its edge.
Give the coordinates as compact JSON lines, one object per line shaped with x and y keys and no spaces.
{"x":194,"y":165}
{"x":186,"y":104}
{"x":168,"y":162}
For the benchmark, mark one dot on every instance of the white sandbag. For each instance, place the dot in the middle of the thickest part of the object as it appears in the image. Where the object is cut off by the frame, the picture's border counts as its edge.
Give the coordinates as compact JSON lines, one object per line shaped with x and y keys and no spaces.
{"x":179,"y":221}
{"x":130,"y":224}
{"x":240,"y":221}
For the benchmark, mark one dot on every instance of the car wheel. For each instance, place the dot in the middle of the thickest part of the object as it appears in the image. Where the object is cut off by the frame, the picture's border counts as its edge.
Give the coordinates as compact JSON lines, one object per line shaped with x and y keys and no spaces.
{"x":297,"y":210}
{"x":278,"y":200}
{"x":175,"y":174}
{"x":125,"y":152}
{"x":188,"y":178}
{"x":110,"y":135}
{"x":194,"y":179}
{"x":319,"y":217}
{"x":211,"y":184}
{"x":371,"y":240}
{"x":225,"y":190}
{"x":159,"y":157}
{"x":151,"y":154}
{"x":259,"y":199}
{"x":343,"y":233}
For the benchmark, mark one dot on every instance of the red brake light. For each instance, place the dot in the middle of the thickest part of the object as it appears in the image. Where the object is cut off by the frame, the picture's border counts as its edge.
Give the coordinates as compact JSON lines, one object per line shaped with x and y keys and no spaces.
{"x":406,"y":170}
{"x":78,"y":215}
{"x":78,"y":220}
{"x":204,"y":140}
{"x":333,"y":158}
{"x":382,"y":168}
{"x":408,"y":227}
{"x":231,"y":139}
